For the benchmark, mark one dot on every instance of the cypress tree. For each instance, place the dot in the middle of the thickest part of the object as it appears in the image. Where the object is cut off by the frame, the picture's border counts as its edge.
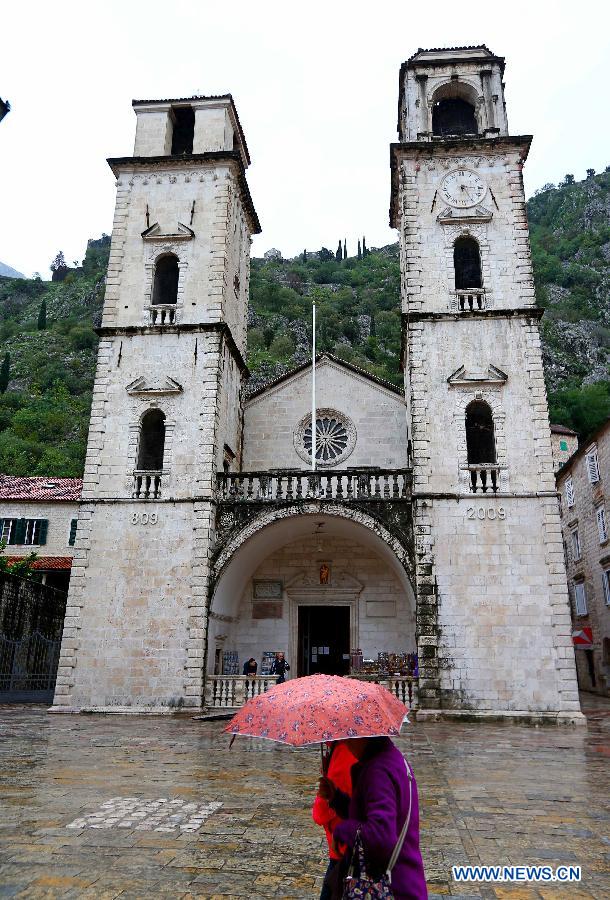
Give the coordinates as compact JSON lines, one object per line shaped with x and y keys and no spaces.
{"x":364,"y":250}
{"x":42,"y":316}
{"x":338,"y":253}
{"x":304,"y":255}
{"x":344,"y":249}
{"x":5,"y":372}
{"x":359,"y":250}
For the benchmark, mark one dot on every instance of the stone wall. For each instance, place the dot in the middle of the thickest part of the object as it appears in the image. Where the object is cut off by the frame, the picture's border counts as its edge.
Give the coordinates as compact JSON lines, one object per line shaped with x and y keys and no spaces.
{"x":378,"y":414}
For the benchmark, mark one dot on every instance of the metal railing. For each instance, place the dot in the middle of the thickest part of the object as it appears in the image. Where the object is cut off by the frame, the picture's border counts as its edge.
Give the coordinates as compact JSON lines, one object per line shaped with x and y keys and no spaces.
{"x":338,"y":484}
{"x":232,"y":691}
{"x":146,"y":484}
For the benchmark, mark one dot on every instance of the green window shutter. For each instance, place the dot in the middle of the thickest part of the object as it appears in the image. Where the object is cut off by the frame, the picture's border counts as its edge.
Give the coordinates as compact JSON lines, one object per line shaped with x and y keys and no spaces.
{"x":72,"y":538}
{"x":42,"y":535}
{"x":19,"y":532}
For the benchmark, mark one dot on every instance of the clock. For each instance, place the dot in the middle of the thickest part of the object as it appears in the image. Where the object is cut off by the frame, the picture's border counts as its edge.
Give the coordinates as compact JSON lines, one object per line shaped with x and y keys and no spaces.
{"x":462,"y":188}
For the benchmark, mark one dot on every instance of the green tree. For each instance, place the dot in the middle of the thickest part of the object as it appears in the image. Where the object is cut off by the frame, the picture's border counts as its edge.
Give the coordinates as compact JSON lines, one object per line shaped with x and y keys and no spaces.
{"x":325,"y":254}
{"x":338,"y":253}
{"x":364,"y":250}
{"x":359,"y":250}
{"x":42,"y":315}
{"x":344,"y":249}
{"x":21,"y":567}
{"x":5,"y":371}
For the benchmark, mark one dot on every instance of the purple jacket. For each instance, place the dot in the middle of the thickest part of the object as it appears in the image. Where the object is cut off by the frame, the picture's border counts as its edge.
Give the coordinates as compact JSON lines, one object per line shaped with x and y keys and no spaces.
{"x":379,"y":806}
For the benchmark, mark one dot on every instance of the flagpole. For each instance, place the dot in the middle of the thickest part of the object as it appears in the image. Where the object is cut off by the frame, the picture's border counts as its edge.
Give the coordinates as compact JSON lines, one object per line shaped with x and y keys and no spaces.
{"x":313,"y":386}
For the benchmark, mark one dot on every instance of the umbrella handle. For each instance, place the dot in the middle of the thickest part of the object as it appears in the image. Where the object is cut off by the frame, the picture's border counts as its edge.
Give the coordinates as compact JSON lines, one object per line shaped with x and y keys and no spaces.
{"x":232,"y":739}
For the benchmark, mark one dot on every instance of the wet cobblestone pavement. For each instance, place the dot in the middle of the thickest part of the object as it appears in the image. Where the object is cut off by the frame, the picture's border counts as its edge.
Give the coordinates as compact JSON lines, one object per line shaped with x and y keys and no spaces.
{"x":104,"y":807}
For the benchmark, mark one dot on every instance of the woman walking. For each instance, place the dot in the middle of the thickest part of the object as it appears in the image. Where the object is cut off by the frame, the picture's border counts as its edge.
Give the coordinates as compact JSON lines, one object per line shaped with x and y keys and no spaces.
{"x":338,"y":769}
{"x":384,"y":791}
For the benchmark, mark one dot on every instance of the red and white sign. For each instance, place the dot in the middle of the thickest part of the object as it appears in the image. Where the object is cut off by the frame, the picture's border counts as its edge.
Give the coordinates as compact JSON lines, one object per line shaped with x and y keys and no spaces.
{"x":582,"y":637}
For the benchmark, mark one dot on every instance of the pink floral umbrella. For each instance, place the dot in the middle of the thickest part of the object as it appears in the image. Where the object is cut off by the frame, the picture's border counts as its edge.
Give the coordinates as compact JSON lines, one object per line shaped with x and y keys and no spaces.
{"x":320,"y":708}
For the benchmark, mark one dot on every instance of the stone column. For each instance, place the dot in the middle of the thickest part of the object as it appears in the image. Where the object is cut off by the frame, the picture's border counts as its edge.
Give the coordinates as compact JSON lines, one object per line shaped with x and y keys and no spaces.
{"x":422,"y":81}
{"x":488,"y":101}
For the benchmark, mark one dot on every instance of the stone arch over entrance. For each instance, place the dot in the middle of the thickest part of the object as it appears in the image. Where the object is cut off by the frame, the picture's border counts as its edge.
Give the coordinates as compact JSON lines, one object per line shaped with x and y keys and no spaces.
{"x":318,"y":559}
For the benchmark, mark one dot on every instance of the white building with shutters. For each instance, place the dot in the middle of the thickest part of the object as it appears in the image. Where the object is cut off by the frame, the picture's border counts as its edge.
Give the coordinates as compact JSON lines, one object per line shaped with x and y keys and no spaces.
{"x":39,"y":515}
{"x":583,"y":483}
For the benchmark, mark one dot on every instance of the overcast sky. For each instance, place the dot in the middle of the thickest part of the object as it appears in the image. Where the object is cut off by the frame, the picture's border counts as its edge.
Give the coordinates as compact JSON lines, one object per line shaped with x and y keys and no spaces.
{"x":316,"y":87}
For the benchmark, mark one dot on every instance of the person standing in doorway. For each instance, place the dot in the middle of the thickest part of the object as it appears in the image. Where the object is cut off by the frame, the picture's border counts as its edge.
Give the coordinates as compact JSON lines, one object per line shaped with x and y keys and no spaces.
{"x":279,"y":667}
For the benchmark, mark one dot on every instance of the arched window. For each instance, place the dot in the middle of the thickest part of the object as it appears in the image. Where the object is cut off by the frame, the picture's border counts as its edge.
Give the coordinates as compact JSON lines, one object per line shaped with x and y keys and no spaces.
{"x":467,"y":264}
{"x":453,"y":116}
{"x":480,"y":441}
{"x":165,"y":288}
{"x":152,"y":441}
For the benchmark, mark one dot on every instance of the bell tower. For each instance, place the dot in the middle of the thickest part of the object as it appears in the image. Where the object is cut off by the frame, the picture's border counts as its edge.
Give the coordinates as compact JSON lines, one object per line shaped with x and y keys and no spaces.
{"x":493,"y":619}
{"x":166,"y":413}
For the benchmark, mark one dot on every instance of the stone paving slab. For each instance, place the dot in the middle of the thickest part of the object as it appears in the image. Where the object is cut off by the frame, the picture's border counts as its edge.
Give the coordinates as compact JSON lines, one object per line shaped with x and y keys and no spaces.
{"x":138,"y":807}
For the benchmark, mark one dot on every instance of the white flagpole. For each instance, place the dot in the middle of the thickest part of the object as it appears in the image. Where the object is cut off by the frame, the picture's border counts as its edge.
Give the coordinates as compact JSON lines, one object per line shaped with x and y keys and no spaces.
{"x":313,"y":387}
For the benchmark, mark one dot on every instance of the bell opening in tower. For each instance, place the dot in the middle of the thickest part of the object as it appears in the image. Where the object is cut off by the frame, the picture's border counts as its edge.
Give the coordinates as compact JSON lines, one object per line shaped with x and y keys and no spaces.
{"x":184,"y":130}
{"x":453,"y":117}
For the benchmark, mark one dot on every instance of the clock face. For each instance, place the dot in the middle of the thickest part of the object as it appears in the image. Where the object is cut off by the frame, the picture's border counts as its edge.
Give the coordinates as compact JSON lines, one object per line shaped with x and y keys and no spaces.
{"x":462,"y":188}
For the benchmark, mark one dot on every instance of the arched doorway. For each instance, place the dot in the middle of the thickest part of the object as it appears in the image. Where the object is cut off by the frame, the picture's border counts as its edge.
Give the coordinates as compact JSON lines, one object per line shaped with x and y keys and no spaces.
{"x":316,"y":586}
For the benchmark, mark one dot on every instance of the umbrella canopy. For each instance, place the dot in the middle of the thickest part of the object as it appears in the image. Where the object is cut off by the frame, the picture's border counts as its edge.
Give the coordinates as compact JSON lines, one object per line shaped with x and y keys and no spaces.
{"x":320,"y":708}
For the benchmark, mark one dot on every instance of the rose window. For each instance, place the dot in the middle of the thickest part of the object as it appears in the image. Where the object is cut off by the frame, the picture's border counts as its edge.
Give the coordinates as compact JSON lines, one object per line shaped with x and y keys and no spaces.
{"x":335,"y":438}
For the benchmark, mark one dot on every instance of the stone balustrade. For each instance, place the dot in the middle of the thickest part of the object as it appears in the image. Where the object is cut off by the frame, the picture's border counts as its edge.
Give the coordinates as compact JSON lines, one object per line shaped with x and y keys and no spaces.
{"x":163,"y":314}
{"x":485,"y":478}
{"x":232,"y":691}
{"x":294,"y":485}
{"x":146,"y":484}
{"x":469,"y":300}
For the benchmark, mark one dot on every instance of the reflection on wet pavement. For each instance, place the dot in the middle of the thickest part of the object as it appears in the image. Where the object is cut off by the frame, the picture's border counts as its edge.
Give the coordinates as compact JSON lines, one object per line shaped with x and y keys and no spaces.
{"x":94,"y":806}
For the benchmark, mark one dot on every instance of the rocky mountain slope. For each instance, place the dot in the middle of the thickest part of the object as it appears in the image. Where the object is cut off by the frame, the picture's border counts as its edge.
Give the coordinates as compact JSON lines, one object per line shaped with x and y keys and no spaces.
{"x":47,"y":342}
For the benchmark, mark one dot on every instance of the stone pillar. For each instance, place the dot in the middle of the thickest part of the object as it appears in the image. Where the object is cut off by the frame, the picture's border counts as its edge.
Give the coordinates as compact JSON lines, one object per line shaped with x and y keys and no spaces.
{"x":422,"y":81}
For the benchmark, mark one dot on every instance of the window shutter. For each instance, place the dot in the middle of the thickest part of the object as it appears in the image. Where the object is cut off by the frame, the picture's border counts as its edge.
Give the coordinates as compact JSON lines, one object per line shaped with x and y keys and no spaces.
{"x":592,"y":467}
{"x":601,"y":524}
{"x":576,"y":544}
{"x":581,"y":600}
{"x":605,"y":575}
{"x":72,"y":538}
{"x":570,"y":492}
{"x":42,"y":534}
{"x":19,"y":532}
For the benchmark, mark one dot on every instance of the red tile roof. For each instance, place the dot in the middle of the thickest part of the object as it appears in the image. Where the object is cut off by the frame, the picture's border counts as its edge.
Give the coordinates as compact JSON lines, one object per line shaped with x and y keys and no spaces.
{"x":14,"y":488}
{"x":47,"y":562}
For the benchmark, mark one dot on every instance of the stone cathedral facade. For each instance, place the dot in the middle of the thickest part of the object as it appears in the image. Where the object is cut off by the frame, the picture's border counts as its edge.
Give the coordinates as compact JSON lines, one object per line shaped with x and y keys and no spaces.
{"x":431,"y":524}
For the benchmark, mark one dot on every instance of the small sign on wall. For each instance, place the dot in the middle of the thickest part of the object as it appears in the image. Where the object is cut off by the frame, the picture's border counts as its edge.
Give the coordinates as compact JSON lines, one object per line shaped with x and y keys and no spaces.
{"x":267,"y":609}
{"x":267,"y":590}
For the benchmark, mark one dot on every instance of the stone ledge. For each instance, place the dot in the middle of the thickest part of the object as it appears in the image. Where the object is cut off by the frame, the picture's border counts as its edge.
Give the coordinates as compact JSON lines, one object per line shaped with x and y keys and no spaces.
{"x":502,"y":717}
{"x":127,"y":710}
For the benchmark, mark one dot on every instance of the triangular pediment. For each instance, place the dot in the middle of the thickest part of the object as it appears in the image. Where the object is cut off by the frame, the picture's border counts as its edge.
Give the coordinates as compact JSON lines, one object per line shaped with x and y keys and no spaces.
{"x":156,"y":233}
{"x":468,"y":375}
{"x":449,"y":216}
{"x":145,"y":387}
